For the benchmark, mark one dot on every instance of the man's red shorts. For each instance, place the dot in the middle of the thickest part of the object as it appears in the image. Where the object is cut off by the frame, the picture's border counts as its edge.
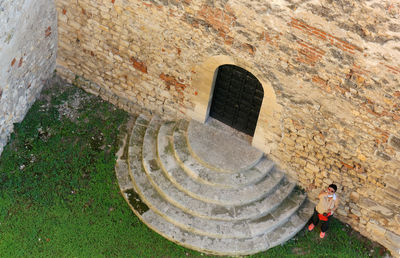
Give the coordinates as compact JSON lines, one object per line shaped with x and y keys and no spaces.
{"x":324,"y":218}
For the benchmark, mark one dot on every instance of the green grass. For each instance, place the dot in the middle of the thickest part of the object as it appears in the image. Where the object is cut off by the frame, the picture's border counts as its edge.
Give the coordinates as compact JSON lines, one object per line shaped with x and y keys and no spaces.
{"x":59,"y":196}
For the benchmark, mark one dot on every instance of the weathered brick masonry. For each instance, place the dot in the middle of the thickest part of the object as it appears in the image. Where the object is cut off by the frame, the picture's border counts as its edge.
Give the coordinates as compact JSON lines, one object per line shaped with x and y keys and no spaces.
{"x":28,"y":45}
{"x":333,"y":66}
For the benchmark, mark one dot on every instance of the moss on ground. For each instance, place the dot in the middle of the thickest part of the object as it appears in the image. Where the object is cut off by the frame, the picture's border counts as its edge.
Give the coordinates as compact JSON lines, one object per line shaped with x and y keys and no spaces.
{"x":59,"y":196}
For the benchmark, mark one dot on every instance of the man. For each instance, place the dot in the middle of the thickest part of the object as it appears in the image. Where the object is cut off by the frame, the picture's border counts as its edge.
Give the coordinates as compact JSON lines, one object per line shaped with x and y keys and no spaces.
{"x":328,"y":203}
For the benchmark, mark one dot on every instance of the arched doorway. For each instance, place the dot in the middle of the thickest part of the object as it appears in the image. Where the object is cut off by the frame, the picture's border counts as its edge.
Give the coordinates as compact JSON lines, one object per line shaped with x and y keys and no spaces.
{"x":237,"y":98}
{"x":268,"y":129}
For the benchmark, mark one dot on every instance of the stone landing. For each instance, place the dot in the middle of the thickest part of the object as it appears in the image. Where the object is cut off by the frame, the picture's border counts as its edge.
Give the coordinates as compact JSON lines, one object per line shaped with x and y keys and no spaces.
{"x":204,"y":187}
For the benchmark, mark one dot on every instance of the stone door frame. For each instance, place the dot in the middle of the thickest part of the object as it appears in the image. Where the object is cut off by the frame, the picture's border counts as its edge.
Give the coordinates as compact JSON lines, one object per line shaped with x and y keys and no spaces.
{"x":268,"y":129}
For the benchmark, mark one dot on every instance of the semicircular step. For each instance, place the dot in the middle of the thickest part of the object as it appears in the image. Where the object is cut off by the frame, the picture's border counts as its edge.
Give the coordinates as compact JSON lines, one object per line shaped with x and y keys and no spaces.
{"x":205,"y":175}
{"x":215,"y":245}
{"x":198,"y":207}
{"x":216,"y":228}
{"x":210,"y":236}
{"x":226,"y":246}
{"x":205,"y":192}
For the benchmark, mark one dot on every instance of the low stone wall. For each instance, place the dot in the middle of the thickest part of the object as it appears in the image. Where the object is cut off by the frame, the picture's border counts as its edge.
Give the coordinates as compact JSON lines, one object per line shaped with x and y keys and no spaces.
{"x":332,"y":66}
{"x":28,"y":45}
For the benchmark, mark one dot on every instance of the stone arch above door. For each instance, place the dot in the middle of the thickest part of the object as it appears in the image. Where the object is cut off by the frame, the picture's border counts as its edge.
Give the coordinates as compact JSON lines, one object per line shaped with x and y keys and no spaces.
{"x":268,"y":130}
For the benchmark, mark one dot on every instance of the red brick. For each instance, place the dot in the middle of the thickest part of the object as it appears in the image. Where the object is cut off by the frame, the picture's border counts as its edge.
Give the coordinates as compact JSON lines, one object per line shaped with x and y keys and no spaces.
{"x":369,"y":110}
{"x":347,"y":165}
{"x":147,"y":5}
{"x":396,"y":117}
{"x":47,"y":32}
{"x":171,"y":81}
{"x":393,"y":69}
{"x":308,"y":53}
{"x":251,"y":49}
{"x":323,"y":36}
{"x":228,"y":40}
{"x":139,"y":65}
{"x":319,"y":80}
{"x":217,"y":18}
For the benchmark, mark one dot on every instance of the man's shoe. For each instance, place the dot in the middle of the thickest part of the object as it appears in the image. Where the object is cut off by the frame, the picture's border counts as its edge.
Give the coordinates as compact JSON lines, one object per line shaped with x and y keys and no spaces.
{"x":322,"y":235}
{"x":311,"y":227}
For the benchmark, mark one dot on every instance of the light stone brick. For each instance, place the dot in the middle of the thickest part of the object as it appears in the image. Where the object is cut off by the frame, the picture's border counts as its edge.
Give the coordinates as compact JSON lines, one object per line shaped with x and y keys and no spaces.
{"x":312,"y":168}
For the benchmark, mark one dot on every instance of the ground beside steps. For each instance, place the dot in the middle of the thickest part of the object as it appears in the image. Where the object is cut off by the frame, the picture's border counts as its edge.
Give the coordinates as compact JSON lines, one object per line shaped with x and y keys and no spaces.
{"x":235,"y":202}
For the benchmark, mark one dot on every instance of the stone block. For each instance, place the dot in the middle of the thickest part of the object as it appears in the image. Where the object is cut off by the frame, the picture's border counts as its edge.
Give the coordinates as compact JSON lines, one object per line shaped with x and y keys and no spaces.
{"x":394,"y":141}
{"x":300,"y":161}
{"x":354,"y":196}
{"x":288,"y":141}
{"x":333,"y":148}
{"x":384,"y":156}
{"x":394,"y":242}
{"x":356,"y":212}
{"x":312,"y":168}
{"x":376,"y":230}
{"x":319,"y":140}
{"x":342,"y":212}
{"x":391,"y":180}
{"x":299,"y":147}
{"x":312,"y":158}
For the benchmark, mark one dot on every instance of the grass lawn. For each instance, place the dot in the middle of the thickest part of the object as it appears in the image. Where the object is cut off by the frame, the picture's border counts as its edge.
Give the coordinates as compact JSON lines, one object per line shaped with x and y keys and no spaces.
{"x":59,"y":196}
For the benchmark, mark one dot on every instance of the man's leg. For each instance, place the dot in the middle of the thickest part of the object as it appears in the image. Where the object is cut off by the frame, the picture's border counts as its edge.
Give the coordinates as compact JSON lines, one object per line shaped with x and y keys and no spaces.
{"x":314,"y":220}
{"x":325,"y":225}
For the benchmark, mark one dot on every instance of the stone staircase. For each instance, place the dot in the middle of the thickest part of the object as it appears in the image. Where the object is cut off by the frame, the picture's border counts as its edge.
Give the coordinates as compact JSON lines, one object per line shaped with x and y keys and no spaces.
{"x":203,"y":188}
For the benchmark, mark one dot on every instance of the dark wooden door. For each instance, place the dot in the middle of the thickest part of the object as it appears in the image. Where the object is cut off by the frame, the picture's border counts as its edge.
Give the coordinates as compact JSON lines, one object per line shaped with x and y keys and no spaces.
{"x":237,"y":98}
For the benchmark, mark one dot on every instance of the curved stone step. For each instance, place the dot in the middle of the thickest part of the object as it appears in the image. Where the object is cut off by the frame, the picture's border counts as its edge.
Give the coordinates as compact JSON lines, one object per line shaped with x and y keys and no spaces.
{"x":207,"y":193}
{"x":215,"y":228}
{"x":229,"y":246}
{"x":209,"y":176}
{"x":121,"y":166}
{"x":212,"y":228}
{"x":215,"y":245}
{"x":197,"y":207}
{"x":241,"y":244}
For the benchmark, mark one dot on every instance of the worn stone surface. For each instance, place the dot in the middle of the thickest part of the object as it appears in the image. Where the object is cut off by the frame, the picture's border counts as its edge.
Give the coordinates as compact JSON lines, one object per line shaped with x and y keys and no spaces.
{"x":221,"y":149}
{"x":28,"y":45}
{"x":209,"y":176}
{"x":210,"y":193}
{"x":329,"y":70}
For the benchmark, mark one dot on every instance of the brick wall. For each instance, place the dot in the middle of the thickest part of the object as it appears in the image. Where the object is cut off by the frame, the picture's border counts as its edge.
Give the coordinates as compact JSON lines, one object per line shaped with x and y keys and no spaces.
{"x":333,"y":66}
{"x":28,"y":43}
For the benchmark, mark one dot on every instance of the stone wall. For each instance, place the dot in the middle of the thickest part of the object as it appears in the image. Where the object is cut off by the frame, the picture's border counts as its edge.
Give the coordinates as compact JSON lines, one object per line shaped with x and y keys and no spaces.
{"x":28,"y":44}
{"x":333,"y":67}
